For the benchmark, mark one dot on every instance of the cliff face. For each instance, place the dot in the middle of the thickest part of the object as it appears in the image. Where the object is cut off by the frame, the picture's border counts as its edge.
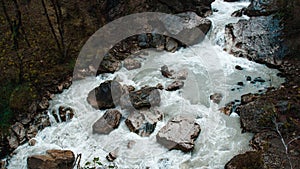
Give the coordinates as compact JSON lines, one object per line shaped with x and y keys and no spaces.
{"x":271,"y":33}
{"x":274,"y":116}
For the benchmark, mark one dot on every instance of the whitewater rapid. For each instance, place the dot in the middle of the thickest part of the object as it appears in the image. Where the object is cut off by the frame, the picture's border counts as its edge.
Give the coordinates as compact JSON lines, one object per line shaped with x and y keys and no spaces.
{"x":211,"y":70}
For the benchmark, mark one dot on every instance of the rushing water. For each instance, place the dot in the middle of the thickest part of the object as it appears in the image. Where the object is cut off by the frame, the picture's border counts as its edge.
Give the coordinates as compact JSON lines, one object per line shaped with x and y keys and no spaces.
{"x":211,"y":70}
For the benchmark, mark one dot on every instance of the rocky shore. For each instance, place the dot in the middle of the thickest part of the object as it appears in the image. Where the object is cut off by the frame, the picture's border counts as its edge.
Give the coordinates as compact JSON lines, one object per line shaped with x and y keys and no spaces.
{"x":273,"y":117}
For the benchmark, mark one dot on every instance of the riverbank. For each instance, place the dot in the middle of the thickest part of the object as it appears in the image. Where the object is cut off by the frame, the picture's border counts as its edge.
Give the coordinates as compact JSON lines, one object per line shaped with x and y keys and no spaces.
{"x":277,"y":125}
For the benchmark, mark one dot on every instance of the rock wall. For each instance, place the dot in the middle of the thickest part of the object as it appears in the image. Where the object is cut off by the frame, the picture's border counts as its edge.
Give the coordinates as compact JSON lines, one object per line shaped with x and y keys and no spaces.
{"x":271,"y":33}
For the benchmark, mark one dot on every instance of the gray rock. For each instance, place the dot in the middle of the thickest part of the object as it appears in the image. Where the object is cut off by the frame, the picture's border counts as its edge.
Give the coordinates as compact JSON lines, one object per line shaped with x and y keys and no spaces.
{"x":166,"y":72}
{"x":54,"y":159}
{"x":176,"y":85}
{"x":145,"y":98}
{"x":181,"y":74}
{"x":13,"y":140}
{"x":108,"y":122}
{"x":31,"y":132}
{"x":171,"y":45}
{"x":216,"y":98}
{"x":131,"y":64}
{"x":32,"y":142}
{"x":44,"y":104}
{"x":105,"y":96}
{"x":264,"y":45}
{"x":179,"y":133}
{"x":143,"y":122}
{"x":187,"y":26}
{"x":19,"y":130}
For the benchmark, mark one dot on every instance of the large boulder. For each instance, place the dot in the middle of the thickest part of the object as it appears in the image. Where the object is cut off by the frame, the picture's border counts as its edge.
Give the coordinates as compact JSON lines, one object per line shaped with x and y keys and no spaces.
{"x":108,"y":122}
{"x":251,"y":158}
{"x":145,"y":98}
{"x":143,"y":122}
{"x":54,"y":159}
{"x":264,"y":45}
{"x":179,"y":133}
{"x":105,"y":96}
{"x":187,"y":25}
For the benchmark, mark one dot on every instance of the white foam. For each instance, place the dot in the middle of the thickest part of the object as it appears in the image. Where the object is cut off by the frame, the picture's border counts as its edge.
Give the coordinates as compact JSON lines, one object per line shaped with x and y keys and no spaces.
{"x":210,"y":70}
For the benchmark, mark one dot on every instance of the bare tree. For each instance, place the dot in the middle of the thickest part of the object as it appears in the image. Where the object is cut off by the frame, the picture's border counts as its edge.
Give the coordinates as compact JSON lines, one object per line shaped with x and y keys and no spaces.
{"x":17,"y":33}
{"x":60,"y":37}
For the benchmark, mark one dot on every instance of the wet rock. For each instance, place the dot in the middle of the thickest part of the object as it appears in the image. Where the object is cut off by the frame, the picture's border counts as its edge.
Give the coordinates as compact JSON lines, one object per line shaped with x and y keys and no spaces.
{"x":158,"y":41}
{"x":159,"y":86}
{"x":262,"y":45}
{"x":253,"y":119}
{"x":238,"y":67}
{"x":260,"y":8}
{"x":240,"y":83}
{"x":216,"y":98}
{"x":109,"y":64}
{"x":44,"y":104}
{"x":32,"y":142}
{"x":54,"y":159}
{"x":176,"y":85}
{"x":228,"y":109}
{"x":64,"y":114}
{"x":31,"y":132}
{"x":166,"y":72}
{"x":181,"y":74}
{"x":238,"y":13}
{"x":19,"y":130}
{"x":179,"y":133}
{"x":127,"y":89}
{"x":143,"y":40}
{"x":145,"y":98}
{"x":105,"y":96}
{"x":41,"y":120}
{"x":112,"y":155}
{"x":247,"y":98}
{"x":259,"y":79}
{"x":248,"y":78}
{"x":143,"y":122}
{"x":131,"y":88}
{"x":13,"y":140}
{"x":108,"y":122}
{"x":188,"y":26}
{"x":251,"y":158}
{"x":171,"y":45}
{"x":131,"y":64}
{"x":125,"y":102}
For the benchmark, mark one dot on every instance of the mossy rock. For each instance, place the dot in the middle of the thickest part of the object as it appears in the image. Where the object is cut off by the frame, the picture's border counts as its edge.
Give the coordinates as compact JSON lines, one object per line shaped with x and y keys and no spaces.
{"x":22,"y":97}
